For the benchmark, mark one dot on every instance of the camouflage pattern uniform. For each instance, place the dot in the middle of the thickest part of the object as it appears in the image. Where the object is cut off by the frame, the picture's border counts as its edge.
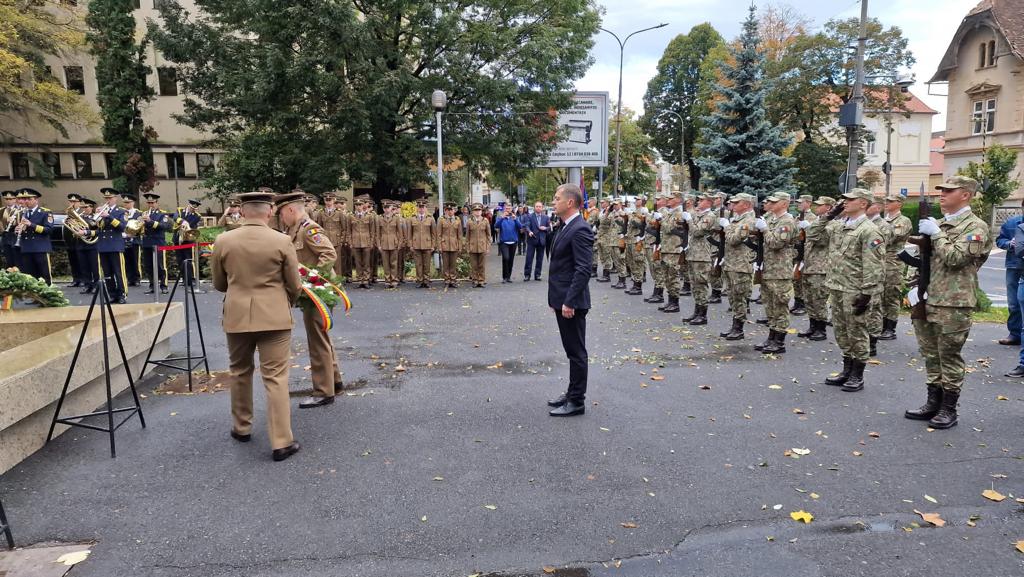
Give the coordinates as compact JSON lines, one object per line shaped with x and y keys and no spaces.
{"x":608,"y":241}
{"x":698,"y":253}
{"x":816,"y":261}
{"x":737,"y":266}
{"x":593,"y":215}
{"x":799,"y":284}
{"x":777,"y":275}
{"x":672,"y":249}
{"x":892,"y":294}
{"x":875,"y":310}
{"x":655,"y":266}
{"x":715,"y":276}
{"x":634,"y":236}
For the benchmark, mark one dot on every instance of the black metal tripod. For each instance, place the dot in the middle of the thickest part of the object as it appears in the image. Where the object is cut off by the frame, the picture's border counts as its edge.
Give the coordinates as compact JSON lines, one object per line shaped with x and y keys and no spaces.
{"x":6,"y":527}
{"x":106,"y":312}
{"x":191,"y":362}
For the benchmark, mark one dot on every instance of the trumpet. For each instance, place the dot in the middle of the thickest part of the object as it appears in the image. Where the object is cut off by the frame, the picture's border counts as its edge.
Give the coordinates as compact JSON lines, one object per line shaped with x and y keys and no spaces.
{"x":102,"y":213}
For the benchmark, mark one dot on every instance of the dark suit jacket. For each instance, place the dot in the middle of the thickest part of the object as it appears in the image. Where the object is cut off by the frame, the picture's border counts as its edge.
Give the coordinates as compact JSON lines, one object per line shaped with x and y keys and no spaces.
{"x":533,"y":223}
{"x":569,"y":271}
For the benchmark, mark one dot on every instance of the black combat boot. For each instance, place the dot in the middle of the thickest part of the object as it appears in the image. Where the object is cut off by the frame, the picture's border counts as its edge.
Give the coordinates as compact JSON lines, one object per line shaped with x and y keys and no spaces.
{"x":856,"y":381}
{"x":930,"y":407}
{"x":946,"y":416}
{"x":767,"y":341}
{"x":716,"y":297}
{"x":810,"y":329}
{"x":761,"y":321}
{"x":621,"y":284}
{"x":691,"y":317}
{"x":672,"y":306}
{"x":657,"y":296}
{"x":888,"y":330}
{"x":606,"y":276}
{"x":777,"y":345}
{"x":593,"y":271}
{"x":873,"y":351}
{"x":636,"y":289}
{"x":687,"y":290}
{"x":700,"y":315}
{"x":798,"y":307}
{"x":819,"y":333}
{"x":736,"y":334}
{"x":840,"y":379}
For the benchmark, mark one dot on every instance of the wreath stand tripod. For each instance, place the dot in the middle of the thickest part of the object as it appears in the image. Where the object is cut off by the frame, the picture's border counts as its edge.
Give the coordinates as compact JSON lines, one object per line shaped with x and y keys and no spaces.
{"x":191,"y":362}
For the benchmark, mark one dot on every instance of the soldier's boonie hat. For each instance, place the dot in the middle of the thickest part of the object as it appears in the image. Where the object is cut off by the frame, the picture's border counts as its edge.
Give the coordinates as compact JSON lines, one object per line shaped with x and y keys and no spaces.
{"x":778,"y":196}
{"x":477,"y":206}
{"x":895,"y":197}
{"x":743,"y":196}
{"x":9,"y":194}
{"x":108,"y":192}
{"x":28,"y":193}
{"x":151,"y":196}
{"x":806,"y":198}
{"x":641,"y":196}
{"x":289,"y":197}
{"x":825,"y":200}
{"x":194,"y":202}
{"x":708,"y":195}
{"x":954,"y":182}
{"x":862,"y":193}
{"x":258,"y":197}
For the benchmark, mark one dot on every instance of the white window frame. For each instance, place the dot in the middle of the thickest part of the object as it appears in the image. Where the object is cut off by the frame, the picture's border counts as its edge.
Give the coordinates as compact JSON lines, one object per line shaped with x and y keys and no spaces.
{"x":983,"y":111}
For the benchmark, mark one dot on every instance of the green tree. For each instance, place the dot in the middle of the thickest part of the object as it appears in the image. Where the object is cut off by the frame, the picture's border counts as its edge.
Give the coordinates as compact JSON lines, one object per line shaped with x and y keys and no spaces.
{"x":635,"y":172}
{"x":121,"y":73}
{"x":994,"y":174}
{"x":743,"y":150}
{"x":676,"y":87}
{"x":818,"y":167}
{"x":354,"y":80}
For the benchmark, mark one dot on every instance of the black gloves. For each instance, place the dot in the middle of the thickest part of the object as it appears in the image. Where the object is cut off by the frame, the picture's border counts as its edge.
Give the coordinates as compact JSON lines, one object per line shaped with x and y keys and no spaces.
{"x":836,"y":211}
{"x":860,"y":304}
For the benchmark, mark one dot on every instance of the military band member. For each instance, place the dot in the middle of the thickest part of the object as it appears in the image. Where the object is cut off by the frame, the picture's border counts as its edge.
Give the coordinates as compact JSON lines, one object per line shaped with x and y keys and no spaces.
{"x":187,"y":218}
{"x":605,"y":240}
{"x":738,"y":258}
{"x":449,"y":241}
{"x":155,"y":224}
{"x":960,"y":244}
{"x":109,"y":233}
{"x":313,"y":249}
{"x":8,"y":222}
{"x":33,"y":236}
{"x":232,"y":217}
{"x":593,"y":215}
{"x":333,"y":219}
{"x":88,"y":257}
{"x":815,"y":267}
{"x":71,"y":243}
{"x":390,"y":238}
{"x":422,"y":242}
{"x":258,"y":271}
{"x":892,"y":294}
{"x":779,"y":230}
{"x":652,"y":248}
{"x":636,"y":228}
{"x":672,"y":233}
{"x":478,"y":243}
{"x":805,"y":211}
{"x":363,"y":231}
{"x":703,"y":223}
{"x":854,"y":279}
{"x":132,"y":243}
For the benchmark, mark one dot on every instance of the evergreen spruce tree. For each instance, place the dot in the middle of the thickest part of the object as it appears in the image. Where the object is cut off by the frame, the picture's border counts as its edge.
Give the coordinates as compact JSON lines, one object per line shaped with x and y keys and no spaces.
{"x":121,"y":73}
{"x":742,"y":150}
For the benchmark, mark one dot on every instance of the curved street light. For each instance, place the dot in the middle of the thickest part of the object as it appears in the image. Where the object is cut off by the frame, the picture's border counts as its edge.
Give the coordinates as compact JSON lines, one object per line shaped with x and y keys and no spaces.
{"x":682,"y":144}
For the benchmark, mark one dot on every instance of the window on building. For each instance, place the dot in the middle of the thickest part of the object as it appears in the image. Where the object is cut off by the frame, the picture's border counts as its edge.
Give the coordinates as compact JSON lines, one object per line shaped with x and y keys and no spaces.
{"x":983,"y":119}
{"x":991,"y":53}
{"x":137,"y":4}
{"x":158,"y":4}
{"x":869,"y":145}
{"x":83,"y":164}
{"x":982,"y":58}
{"x":204,"y":165}
{"x":19,"y":160}
{"x":168,"y":79}
{"x":108,"y":160}
{"x":74,"y":79}
{"x":175,"y":164}
{"x":52,"y":161}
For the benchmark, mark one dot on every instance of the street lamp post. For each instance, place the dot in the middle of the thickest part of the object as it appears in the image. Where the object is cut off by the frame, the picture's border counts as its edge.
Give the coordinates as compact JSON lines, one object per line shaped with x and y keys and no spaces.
{"x":682,"y":146}
{"x":618,"y":104}
{"x":439,"y":100}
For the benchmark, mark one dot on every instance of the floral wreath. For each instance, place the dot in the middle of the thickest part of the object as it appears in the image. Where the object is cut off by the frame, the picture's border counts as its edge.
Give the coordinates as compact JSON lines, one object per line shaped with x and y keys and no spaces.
{"x":321,"y":293}
{"x":16,"y":284}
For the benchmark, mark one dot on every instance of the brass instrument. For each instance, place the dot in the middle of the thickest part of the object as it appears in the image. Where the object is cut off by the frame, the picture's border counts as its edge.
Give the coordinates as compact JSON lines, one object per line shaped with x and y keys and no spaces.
{"x":186,"y":233}
{"x":78,"y":226}
{"x":14,"y":225}
{"x":101,"y":213}
{"x":134,"y":226}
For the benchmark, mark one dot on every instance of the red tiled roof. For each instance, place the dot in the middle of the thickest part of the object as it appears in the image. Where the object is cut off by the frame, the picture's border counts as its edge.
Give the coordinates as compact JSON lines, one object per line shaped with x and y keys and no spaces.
{"x":1009,"y":16}
{"x":912,"y":104}
{"x":937,"y":156}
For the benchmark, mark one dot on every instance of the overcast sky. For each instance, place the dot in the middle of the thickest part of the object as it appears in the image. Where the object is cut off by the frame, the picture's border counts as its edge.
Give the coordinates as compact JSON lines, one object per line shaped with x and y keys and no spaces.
{"x":929,"y":26}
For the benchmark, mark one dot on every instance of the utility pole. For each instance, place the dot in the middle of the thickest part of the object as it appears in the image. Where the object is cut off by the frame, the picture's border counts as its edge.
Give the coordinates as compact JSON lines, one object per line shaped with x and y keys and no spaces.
{"x":853,"y":124}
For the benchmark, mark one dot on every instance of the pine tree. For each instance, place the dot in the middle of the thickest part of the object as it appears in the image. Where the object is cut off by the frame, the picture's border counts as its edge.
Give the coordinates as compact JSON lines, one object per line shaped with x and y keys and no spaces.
{"x":742,"y":150}
{"x":121,"y":73}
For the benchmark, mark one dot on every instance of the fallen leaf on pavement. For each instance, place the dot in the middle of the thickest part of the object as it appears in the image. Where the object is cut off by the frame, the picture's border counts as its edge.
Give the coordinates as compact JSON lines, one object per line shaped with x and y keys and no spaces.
{"x":873,"y":434}
{"x":628,"y":525}
{"x":1002,"y":398}
{"x":930,"y":498}
{"x":932,"y":518}
{"x":802,"y":516}
{"x":73,"y":558}
{"x":801,"y":451}
{"x":774,"y":387}
{"x":657,"y":378}
{"x":490,"y":507}
{"x":992,"y":495}
{"x":1020,"y":545}
{"x":798,"y":411}
{"x":548,"y":570}
{"x":705,"y":387}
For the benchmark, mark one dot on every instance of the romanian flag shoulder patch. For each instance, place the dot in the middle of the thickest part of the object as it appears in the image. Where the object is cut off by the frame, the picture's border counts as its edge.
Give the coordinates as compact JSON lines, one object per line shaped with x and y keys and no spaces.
{"x":784,"y":229}
{"x":876,"y":242}
{"x":974,"y":238}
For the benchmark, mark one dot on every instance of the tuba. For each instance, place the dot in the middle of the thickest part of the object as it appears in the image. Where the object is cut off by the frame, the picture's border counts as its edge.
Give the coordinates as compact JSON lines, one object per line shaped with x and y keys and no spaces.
{"x":78,"y":226}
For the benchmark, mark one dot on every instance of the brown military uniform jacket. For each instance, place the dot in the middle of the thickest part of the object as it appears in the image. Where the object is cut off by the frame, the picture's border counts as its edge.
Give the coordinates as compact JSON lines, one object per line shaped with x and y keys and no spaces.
{"x":312,"y":246}
{"x":258,"y":270}
{"x":449,"y":234}
{"x":363,"y":230}
{"x":334,"y":223}
{"x":392,"y":233}
{"x":229,"y":221}
{"x":478,"y":235}
{"x":422,"y":232}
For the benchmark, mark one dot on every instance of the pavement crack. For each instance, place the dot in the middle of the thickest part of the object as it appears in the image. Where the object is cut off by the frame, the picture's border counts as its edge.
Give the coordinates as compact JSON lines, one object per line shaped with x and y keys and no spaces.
{"x":293,"y":559}
{"x":958,"y":461}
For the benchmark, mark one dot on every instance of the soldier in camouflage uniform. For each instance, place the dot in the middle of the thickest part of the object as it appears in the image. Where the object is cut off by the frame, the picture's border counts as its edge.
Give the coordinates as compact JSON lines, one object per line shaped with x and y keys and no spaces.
{"x":689,"y":200}
{"x":620,"y":222}
{"x":737,"y":269}
{"x":874,"y":214}
{"x":592,"y":217}
{"x":805,"y":211}
{"x":854,"y":279}
{"x":779,"y":230}
{"x":635,"y":231}
{"x":815,"y":267}
{"x":960,"y":244}
{"x":606,"y":240}
{"x":715,"y":276}
{"x":892,"y":292}
{"x":651,"y":240}
{"x":703,"y":223}
{"x":672,"y":232}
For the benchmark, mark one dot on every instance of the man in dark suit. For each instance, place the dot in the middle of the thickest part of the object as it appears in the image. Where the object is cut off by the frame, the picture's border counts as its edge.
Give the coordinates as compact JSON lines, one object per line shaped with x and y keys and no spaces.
{"x":538,"y":226}
{"x":569,"y":294}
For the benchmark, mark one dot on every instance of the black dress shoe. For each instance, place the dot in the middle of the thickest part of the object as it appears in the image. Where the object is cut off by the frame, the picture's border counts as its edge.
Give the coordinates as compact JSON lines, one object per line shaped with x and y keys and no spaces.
{"x":558,"y":402}
{"x":526,"y":279}
{"x":1010,"y":342}
{"x":1017,"y":372}
{"x":339,"y":387}
{"x":75,"y":284}
{"x":149,"y":292}
{"x":240,"y":437}
{"x":86,"y":291}
{"x":163,"y":290}
{"x":569,"y":409}
{"x":536,"y":278}
{"x":282,"y":454}
{"x":122,"y":301}
{"x":310,"y":402}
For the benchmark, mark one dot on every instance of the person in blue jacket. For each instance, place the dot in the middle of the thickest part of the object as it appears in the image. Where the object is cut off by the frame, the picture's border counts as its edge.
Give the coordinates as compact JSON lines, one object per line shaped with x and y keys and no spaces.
{"x":507,"y":230}
{"x":1014,"y":268}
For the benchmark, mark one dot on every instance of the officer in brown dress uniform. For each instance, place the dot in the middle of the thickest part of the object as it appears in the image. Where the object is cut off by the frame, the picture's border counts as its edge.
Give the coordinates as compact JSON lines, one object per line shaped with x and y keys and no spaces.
{"x":258,"y":271}
{"x":449,"y":236}
{"x":315,"y":251}
{"x":389,"y":241}
{"x":332,"y":219}
{"x":478,"y":243}
{"x":422,"y":241}
{"x":232,"y":217}
{"x":363,"y":236}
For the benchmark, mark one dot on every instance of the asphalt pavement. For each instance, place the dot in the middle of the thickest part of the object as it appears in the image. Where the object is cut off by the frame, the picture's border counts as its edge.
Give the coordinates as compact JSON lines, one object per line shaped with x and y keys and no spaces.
{"x":442,"y":461}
